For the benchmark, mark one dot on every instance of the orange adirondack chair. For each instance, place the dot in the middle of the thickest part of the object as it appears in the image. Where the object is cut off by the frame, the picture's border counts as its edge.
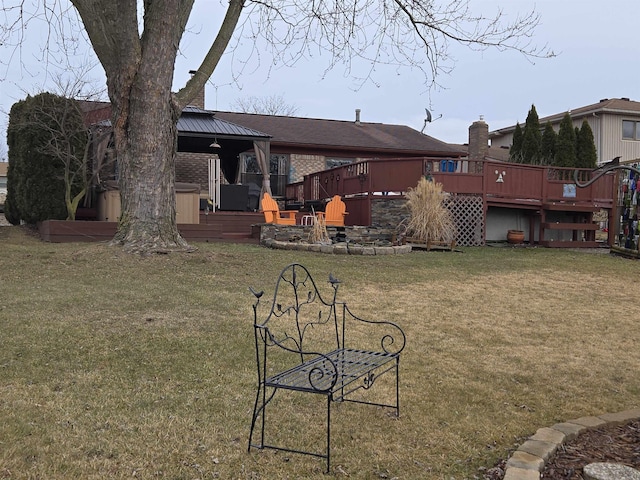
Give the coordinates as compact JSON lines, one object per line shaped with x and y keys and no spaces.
{"x":334,"y":212}
{"x":273,"y":214}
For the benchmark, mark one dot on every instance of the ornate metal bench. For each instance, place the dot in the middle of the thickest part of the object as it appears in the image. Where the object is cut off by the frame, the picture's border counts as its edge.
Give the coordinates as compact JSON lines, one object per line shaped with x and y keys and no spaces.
{"x":315,"y":345}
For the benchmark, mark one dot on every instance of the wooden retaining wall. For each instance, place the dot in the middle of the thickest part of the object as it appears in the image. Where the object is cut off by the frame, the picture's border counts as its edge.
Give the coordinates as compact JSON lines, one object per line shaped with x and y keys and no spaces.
{"x":234,"y":227}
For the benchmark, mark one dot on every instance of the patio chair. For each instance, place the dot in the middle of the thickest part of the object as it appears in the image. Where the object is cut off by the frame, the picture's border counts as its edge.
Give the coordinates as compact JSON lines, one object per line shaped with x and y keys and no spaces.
{"x":335,"y":212}
{"x":273,"y":214}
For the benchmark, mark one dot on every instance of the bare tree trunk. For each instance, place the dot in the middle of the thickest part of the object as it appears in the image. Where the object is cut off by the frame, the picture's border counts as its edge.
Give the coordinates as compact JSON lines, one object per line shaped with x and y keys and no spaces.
{"x":145,"y":113}
{"x":146,"y":151}
{"x":144,"y":117}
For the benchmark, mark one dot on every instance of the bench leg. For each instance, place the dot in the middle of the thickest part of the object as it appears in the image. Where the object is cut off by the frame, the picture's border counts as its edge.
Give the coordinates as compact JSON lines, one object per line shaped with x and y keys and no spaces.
{"x":259,"y":410}
{"x":328,"y":433}
{"x":398,"y":386}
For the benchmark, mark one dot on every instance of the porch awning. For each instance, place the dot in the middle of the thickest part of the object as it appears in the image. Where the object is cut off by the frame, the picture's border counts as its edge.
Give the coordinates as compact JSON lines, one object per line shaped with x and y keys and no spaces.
{"x":198,"y":129}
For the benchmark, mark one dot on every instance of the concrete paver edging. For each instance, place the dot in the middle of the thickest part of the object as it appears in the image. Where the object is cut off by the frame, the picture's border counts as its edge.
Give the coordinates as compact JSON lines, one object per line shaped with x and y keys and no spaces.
{"x":529,"y":459}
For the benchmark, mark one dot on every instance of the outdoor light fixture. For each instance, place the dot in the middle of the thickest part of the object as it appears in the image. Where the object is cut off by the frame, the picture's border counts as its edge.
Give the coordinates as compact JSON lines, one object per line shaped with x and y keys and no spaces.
{"x":215,"y":144}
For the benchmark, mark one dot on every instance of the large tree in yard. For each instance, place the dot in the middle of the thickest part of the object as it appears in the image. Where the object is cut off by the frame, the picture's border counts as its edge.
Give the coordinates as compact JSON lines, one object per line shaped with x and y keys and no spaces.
{"x":137,"y":43}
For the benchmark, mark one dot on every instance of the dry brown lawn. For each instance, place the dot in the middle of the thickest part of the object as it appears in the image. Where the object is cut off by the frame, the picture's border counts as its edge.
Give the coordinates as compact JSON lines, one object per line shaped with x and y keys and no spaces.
{"x":117,"y":366}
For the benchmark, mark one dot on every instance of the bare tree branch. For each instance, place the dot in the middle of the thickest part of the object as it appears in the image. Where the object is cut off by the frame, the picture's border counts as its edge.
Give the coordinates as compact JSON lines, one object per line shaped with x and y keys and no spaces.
{"x":363,"y":34}
{"x":271,"y":105}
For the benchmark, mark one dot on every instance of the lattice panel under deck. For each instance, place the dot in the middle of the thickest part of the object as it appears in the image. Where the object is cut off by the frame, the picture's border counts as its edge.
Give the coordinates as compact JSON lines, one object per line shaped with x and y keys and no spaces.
{"x":468,"y":215}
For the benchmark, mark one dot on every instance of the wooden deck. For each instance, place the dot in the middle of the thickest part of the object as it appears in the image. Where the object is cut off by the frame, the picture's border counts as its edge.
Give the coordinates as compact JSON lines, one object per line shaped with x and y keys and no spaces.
{"x":539,"y":190}
{"x":236,"y":227}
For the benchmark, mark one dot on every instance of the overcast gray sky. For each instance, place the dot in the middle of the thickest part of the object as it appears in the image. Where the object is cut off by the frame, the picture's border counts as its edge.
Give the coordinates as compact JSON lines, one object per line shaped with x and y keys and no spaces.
{"x":595,"y":40}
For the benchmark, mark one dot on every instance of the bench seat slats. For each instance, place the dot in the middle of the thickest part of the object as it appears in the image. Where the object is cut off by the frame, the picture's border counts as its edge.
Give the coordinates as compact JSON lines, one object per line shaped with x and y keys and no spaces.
{"x":317,"y":375}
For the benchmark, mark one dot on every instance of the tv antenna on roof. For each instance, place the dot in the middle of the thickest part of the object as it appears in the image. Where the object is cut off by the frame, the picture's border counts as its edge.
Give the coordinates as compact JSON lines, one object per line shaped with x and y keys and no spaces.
{"x":428,"y":119}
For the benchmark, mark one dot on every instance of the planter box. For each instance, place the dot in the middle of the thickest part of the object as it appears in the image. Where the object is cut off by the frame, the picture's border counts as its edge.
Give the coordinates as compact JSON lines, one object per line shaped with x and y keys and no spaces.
{"x":187,"y":204}
{"x":63,"y":231}
{"x":222,"y":226}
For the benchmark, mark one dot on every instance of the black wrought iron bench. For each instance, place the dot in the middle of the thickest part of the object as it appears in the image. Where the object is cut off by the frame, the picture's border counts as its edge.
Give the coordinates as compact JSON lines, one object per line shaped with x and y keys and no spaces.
{"x":315,"y":345}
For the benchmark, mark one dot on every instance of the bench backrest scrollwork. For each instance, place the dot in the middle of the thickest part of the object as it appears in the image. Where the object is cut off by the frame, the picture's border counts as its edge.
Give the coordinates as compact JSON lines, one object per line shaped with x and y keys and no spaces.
{"x":302,"y":324}
{"x":300,"y":320}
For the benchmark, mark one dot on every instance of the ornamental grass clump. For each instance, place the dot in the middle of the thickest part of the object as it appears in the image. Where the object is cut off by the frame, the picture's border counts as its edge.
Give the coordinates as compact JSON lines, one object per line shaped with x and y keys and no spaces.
{"x":318,"y":232}
{"x":430,"y":220}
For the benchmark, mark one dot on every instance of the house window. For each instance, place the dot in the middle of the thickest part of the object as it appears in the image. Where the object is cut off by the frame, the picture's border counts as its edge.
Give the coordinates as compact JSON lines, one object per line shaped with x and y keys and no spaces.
{"x":278,"y":170}
{"x":630,"y":130}
{"x":337,"y":162}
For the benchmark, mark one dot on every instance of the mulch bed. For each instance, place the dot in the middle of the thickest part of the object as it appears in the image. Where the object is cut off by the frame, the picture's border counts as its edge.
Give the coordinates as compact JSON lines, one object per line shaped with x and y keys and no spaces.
{"x":609,"y":443}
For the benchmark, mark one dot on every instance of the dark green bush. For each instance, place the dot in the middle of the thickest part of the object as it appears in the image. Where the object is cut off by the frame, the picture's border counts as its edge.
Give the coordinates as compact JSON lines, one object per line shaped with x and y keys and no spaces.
{"x":38,"y":129}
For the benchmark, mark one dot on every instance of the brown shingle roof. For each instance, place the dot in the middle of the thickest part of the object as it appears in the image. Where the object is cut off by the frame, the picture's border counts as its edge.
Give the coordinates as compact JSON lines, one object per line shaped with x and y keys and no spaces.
{"x":297,"y":131}
{"x":377,"y":138}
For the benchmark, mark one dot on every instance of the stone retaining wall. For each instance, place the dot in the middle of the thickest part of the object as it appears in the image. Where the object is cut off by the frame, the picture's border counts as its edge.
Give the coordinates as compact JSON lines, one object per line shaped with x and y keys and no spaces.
{"x":360,"y":240}
{"x":389,"y":212}
{"x":358,"y":234}
{"x":339,"y":248}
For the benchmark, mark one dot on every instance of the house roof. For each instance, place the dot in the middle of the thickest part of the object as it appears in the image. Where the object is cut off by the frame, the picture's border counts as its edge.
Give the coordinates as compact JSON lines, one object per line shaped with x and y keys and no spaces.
{"x":618,"y":106}
{"x":94,"y":111}
{"x":377,"y":138}
{"x":197,"y":121}
{"x":500,"y":154}
{"x":344,"y":135}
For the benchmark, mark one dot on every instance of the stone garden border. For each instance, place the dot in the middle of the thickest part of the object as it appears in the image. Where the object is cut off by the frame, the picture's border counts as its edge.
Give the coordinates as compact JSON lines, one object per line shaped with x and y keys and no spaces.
{"x":337,"y":248}
{"x":529,"y":459}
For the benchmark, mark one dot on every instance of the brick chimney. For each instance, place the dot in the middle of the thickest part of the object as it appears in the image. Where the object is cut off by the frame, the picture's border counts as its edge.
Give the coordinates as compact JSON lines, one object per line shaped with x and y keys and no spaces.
{"x":478,"y":140}
{"x":198,"y":100}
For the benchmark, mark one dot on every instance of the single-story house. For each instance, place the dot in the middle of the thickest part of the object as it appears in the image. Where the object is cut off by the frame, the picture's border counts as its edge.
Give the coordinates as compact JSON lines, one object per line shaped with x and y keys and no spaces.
{"x":301,"y":146}
{"x":297,"y":146}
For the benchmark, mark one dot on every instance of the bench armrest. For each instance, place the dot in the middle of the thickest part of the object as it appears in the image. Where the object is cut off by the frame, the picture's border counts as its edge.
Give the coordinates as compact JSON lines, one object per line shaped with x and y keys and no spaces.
{"x":392,"y":338}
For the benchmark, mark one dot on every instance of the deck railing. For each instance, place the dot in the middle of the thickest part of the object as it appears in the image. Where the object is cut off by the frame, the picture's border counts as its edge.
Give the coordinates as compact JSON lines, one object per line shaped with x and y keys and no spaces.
{"x":498,"y":182}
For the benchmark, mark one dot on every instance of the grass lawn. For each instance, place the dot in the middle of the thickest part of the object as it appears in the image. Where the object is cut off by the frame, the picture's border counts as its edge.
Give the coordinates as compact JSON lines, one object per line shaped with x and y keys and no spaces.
{"x":118,"y":366}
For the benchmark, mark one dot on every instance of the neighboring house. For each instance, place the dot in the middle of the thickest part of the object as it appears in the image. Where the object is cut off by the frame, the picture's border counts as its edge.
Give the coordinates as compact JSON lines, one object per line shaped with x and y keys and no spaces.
{"x":615,"y":124}
{"x":3,"y":181}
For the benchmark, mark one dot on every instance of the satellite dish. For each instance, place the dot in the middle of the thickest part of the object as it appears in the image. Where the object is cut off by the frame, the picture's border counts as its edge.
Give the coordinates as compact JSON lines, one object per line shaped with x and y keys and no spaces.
{"x":428,"y":119}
